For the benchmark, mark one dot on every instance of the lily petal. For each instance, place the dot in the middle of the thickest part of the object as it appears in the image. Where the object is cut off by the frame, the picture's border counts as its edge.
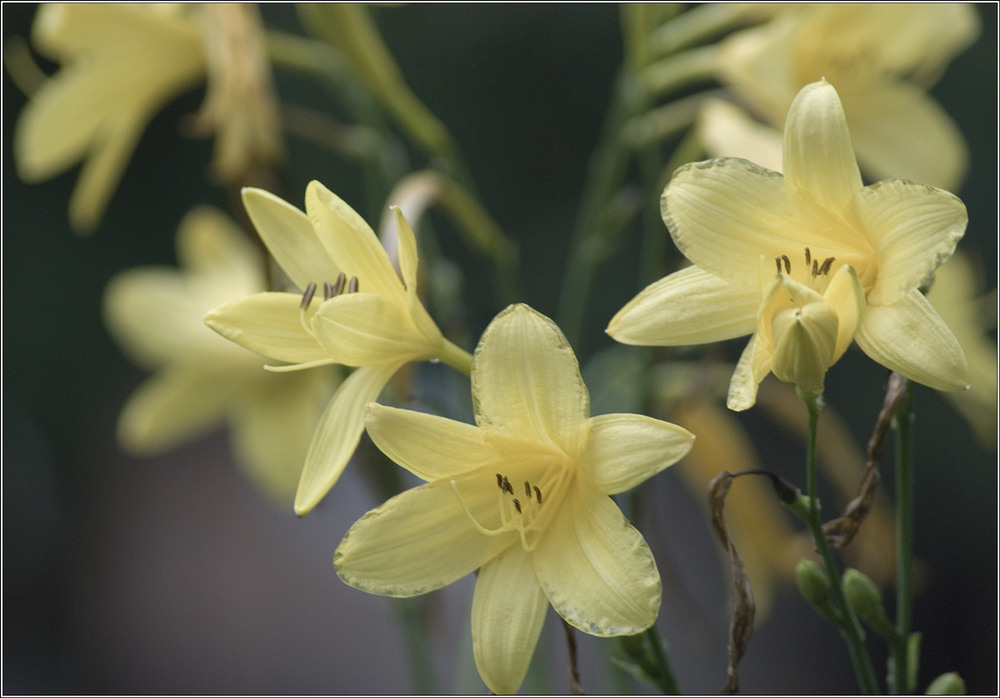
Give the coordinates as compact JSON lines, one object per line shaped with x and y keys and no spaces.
{"x":430,"y":447}
{"x":418,"y":541}
{"x":176,"y":404}
{"x":690,"y":306}
{"x":508,"y":612}
{"x":406,"y":242}
{"x":526,"y":382}
{"x":909,"y":337}
{"x":596,"y":569}
{"x":624,"y":450}
{"x":365,"y":329}
{"x":338,"y":434}
{"x":271,"y":325}
{"x":290,"y":237}
{"x":816,"y":132}
{"x":913,"y":228}
{"x":847,"y":296}
{"x":351,"y":242}
{"x":754,"y":364}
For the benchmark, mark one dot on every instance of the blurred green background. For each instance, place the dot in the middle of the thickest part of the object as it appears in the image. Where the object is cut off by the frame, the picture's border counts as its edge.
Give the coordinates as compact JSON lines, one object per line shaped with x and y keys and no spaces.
{"x":172,"y":575}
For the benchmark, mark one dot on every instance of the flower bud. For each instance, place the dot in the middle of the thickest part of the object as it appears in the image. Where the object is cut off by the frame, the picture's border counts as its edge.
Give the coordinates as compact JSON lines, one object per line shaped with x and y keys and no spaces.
{"x":812,"y":582}
{"x":862,"y":595}
{"x":950,"y":684}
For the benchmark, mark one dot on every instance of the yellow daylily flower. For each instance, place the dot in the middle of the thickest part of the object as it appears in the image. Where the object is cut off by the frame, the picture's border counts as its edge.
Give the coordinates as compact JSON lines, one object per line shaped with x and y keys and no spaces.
{"x":953,"y":295}
{"x":200,"y":380}
{"x":522,"y":496}
{"x":882,"y":58}
{"x":375,"y":321}
{"x":121,"y":63}
{"x":808,"y":262}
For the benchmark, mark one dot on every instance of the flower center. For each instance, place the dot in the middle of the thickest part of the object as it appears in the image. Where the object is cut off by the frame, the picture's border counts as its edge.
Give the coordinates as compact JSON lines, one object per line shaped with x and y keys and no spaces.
{"x":330,"y":290}
{"x":815,"y":274}
{"x":525,"y":506}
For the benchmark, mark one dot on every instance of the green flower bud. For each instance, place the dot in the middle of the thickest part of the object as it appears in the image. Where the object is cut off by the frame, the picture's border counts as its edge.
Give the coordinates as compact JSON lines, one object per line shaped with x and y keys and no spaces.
{"x":813,"y":583}
{"x":950,"y":684}
{"x":862,"y":595}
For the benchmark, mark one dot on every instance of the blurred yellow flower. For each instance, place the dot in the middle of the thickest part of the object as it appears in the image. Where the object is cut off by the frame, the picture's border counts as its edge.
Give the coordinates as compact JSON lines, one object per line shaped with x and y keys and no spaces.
{"x":882,"y":57}
{"x":374,"y":321}
{"x":120,"y":64}
{"x":953,"y":295}
{"x":522,"y":496}
{"x":200,"y":380}
{"x":807,"y":262}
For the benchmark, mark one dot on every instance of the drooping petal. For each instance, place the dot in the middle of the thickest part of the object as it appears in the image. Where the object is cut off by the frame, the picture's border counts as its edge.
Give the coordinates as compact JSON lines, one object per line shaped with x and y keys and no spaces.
{"x":418,"y":541}
{"x":338,"y":434}
{"x":365,"y":329}
{"x":913,"y":228}
{"x":351,"y":242}
{"x":884,"y":131}
{"x":508,"y":612}
{"x":290,"y":237}
{"x":726,"y":215}
{"x":909,"y":337}
{"x":817,"y":154}
{"x":754,"y":364}
{"x":429,"y":446}
{"x":690,"y":306}
{"x":596,"y":569}
{"x":526,"y":382}
{"x":176,"y":404}
{"x":270,"y":324}
{"x":624,"y":450}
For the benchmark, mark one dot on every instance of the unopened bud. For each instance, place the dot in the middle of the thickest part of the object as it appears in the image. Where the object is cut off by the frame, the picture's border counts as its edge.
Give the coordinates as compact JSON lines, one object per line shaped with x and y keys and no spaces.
{"x":862,"y":595}
{"x":950,"y":684}
{"x":813,"y":583}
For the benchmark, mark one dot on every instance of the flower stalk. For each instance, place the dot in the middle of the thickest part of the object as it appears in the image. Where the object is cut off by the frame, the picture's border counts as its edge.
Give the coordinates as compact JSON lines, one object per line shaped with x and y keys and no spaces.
{"x":901,"y":670}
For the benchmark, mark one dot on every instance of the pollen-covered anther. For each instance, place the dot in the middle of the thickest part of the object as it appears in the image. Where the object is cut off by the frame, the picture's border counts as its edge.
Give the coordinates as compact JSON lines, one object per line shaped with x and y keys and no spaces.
{"x":307,"y":296}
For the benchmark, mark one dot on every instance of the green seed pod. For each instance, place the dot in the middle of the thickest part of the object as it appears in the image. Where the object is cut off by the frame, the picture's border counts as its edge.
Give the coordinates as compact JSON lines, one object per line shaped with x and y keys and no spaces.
{"x":950,"y":684}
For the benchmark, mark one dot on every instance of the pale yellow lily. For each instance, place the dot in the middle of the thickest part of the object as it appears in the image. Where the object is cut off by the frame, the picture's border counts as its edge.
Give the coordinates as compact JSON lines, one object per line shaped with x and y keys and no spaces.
{"x":379,"y":327}
{"x":808,"y":261}
{"x":882,"y":57}
{"x":121,"y":63}
{"x":522,"y":496}
{"x":201,"y":381}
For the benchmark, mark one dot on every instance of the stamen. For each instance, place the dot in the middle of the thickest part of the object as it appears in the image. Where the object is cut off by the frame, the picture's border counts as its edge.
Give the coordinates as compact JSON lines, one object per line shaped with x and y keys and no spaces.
{"x":338,"y":286}
{"x":308,"y":295}
{"x":788,"y":264}
{"x":506,"y":487}
{"x":353,"y":286}
{"x":808,"y":257}
{"x":777,"y":263}
{"x":517,"y":505}
{"x":815,"y":270}
{"x":328,"y":291}
{"x":538,"y":494}
{"x":827,"y":263}
{"x":527,"y":489}
{"x":500,"y":481}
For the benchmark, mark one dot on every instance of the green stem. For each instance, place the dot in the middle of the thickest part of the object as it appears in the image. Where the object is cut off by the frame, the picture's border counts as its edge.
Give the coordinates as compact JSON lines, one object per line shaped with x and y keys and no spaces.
{"x":850,"y":628}
{"x":455,"y":356}
{"x":410,"y":611}
{"x":663,"y":672}
{"x":899,"y":675}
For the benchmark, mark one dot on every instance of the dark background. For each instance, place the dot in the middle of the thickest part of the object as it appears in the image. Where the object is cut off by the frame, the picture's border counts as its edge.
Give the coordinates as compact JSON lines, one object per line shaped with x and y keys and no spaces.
{"x":172,"y":575}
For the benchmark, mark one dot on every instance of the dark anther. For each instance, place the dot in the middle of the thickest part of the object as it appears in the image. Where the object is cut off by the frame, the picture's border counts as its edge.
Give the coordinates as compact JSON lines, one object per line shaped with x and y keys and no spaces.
{"x":827,"y":263}
{"x":777,"y":263}
{"x":353,"y":286}
{"x":500,"y":481}
{"x":815,"y":271}
{"x":308,"y":295}
{"x":538,"y":494}
{"x":527,"y":489}
{"x":338,"y":286}
{"x":808,"y":257}
{"x":506,"y":486}
{"x":788,"y":264}
{"x":517,"y":505}
{"x":328,"y":291}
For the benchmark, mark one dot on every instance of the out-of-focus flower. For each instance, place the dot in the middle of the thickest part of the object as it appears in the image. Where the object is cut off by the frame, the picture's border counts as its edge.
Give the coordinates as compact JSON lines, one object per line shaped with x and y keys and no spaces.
{"x":120,"y":64}
{"x":953,"y":295}
{"x":522,"y":496}
{"x":882,"y":58}
{"x":200,"y":380}
{"x":374,"y":320}
{"x":807,"y":262}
